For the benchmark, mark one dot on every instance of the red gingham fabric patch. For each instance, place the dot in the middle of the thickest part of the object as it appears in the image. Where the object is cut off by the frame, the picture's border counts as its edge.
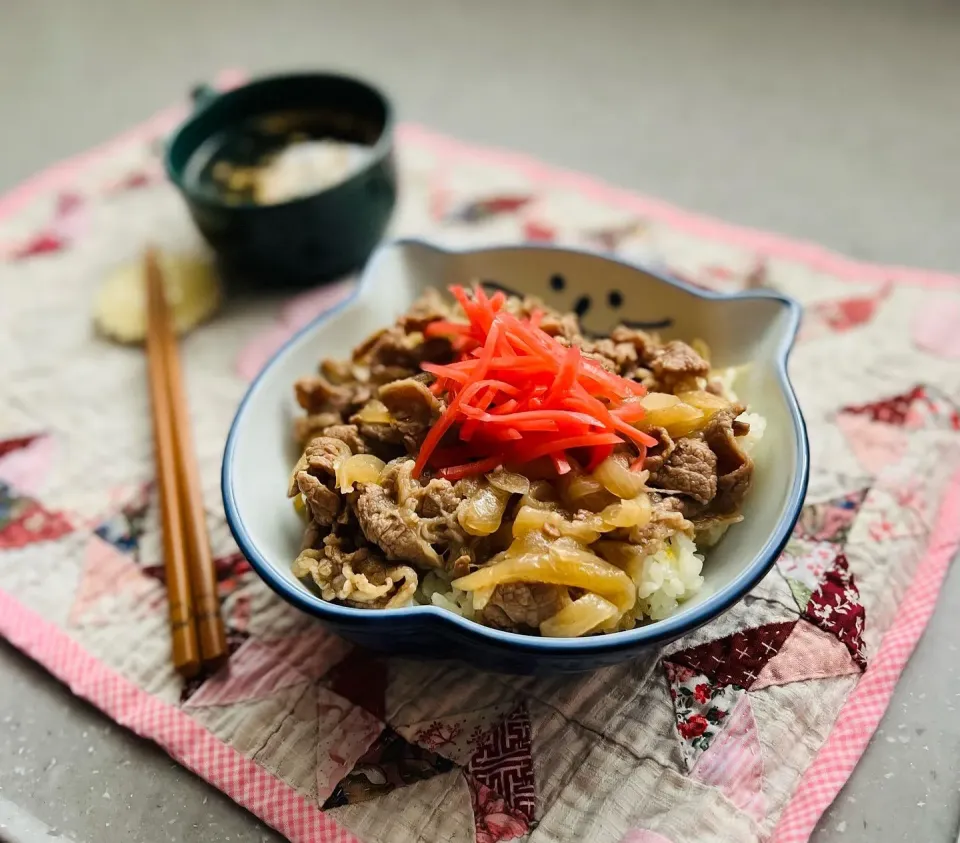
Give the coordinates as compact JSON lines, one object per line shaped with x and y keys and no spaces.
{"x":859,"y":718}
{"x":187,"y":741}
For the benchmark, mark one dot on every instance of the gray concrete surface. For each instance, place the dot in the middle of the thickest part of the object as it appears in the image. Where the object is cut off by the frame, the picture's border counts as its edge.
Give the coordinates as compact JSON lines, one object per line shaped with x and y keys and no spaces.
{"x":835,"y":122}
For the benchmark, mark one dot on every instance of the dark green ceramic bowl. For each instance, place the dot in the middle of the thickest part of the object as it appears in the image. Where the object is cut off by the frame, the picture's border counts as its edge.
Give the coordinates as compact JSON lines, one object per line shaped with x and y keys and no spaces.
{"x":306,"y":240}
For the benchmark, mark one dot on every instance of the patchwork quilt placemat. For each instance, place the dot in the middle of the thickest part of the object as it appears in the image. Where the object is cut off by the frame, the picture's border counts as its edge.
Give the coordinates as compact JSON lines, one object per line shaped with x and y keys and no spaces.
{"x":744,"y":731}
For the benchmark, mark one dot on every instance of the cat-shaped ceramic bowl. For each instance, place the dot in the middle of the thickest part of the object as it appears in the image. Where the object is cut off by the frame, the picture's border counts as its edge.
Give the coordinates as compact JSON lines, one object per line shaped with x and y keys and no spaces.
{"x":754,"y":331}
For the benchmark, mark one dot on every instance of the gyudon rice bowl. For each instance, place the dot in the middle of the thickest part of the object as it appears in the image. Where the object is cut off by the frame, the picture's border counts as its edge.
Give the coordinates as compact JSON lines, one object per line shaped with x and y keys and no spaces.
{"x":484,"y":455}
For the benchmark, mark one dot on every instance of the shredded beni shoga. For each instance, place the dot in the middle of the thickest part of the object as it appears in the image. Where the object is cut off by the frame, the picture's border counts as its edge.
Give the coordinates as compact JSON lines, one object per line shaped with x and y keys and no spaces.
{"x":519,"y":394}
{"x":533,"y":478}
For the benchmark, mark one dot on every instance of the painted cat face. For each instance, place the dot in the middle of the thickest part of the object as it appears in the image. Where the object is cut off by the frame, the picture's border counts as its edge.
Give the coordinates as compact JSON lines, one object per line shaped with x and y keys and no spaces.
{"x":598,"y":312}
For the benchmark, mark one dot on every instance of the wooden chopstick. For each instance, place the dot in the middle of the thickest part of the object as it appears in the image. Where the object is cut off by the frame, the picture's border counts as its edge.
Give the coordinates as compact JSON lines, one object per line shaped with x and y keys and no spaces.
{"x":186,"y":653}
{"x":192,"y":522}
{"x":203,"y":574}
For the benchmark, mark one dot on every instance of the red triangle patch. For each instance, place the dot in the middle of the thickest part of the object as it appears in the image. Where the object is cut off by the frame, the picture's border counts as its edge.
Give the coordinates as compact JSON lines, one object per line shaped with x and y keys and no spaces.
{"x":836,"y":608}
{"x":361,"y":677}
{"x":920,"y":408}
{"x":8,"y":446}
{"x":736,"y":659}
{"x":24,"y":521}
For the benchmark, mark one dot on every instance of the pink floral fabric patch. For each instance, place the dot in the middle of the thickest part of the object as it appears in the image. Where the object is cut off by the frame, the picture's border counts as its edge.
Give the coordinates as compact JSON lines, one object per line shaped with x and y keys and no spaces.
{"x":702,"y":706}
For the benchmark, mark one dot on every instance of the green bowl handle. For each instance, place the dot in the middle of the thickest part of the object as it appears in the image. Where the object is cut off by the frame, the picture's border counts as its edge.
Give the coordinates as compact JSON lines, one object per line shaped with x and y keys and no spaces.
{"x":202,"y":95}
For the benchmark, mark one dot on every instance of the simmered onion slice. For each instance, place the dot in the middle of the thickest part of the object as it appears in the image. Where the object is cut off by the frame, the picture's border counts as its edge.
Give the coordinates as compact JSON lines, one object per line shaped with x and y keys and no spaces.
{"x":620,"y":480}
{"x":481,"y":513}
{"x":560,"y":565}
{"x":579,"y":617}
{"x":360,"y":468}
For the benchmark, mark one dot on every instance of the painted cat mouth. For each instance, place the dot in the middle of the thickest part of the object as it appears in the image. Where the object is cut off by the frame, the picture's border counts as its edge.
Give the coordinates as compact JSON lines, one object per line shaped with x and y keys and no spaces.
{"x":656,"y":325}
{"x":497,"y":286}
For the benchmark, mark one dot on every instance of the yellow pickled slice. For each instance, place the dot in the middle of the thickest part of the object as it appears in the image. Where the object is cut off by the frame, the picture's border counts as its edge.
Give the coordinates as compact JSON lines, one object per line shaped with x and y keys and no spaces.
{"x":192,"y":290}
{"x":579,"y":617}
{"x":530,"y":520}
{"x":481,"y":597}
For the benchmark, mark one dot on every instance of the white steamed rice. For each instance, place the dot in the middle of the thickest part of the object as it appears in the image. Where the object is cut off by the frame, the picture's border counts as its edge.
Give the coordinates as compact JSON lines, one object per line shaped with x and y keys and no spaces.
{"x":667,"y":578}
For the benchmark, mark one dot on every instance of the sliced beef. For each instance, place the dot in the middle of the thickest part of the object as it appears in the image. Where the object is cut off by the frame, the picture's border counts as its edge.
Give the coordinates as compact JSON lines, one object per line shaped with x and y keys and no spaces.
{"x":659,"y":453}
{"x":405,"y":534}
{"x":395,"y":354}
{"x":643,"y":344}
{"x":323,"y":454}
{"x":322,"y":501}
{"x":709,"y":529}
{"x":666,"y":519}
{"x":361,"y":354}
{"x":313,"y":536}
{"x":691,"y":469}
{"x":292,"y":487}
{"x":412,"y":522}
{"x":617,"y":357}
{"x":676,"y":364}
{"x":382,"y":437}
{"x":460,"y":566}
{"x":409,"y":400}
{"x":395,"y":529}
{"x":338,"y":371}
{"x":734,"y":466}
{"x":522,"y":605}
{"x":306,"y":428}
{"x":316,"y":474}
{"x":349,"y":434}
{"x":357,"y":577}
{"x":413,"y":408}
{"x":317,"y":395}
{"x":715,"y":386}
{"x":561,"y":325}
{"x":428,"y":308}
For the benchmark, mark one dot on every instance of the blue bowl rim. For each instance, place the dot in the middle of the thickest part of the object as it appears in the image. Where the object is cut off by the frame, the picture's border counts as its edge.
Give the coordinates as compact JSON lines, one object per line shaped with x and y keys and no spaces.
{"x":659,"y":632}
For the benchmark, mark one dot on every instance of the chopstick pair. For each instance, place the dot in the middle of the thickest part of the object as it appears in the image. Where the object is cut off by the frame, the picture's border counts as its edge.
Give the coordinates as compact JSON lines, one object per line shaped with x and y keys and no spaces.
{"x":196,"y":627}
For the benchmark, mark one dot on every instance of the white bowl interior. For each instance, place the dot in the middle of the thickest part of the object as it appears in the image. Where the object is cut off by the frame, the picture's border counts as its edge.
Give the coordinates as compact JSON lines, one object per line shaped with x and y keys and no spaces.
{"x":749,"y":333}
